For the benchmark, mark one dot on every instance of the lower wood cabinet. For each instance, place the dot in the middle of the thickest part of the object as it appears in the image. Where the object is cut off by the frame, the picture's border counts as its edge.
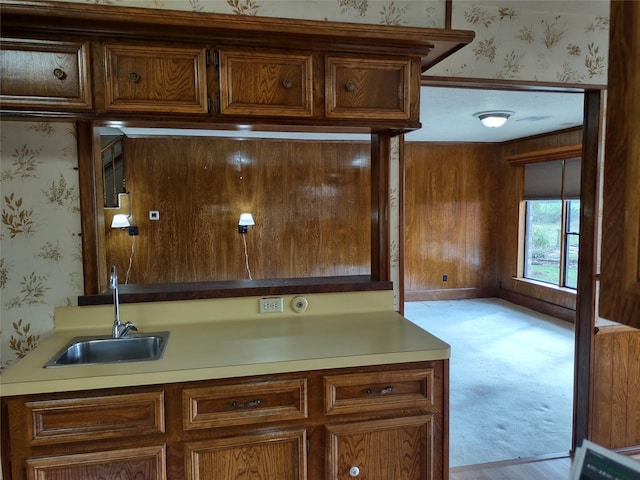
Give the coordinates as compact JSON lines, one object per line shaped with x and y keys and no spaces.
{"x":377,"y":423}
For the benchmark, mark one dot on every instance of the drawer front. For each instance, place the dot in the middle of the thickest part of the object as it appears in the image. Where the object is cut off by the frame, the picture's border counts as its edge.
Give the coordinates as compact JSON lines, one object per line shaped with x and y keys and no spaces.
{"x":368,"y":88}
{"x":265,"y":84}
{"x":40,"y":73}
{"x":92,"y":418}
{"x":378,"y":391}
{"x":131,"y":463}
{"x":155,"y":79}
{"x":241,"y":404}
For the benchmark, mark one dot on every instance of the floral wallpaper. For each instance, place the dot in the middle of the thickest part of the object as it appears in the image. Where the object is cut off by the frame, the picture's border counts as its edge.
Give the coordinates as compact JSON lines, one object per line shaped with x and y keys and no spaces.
{"x":514,"y":41}
{"x":40,"y":249}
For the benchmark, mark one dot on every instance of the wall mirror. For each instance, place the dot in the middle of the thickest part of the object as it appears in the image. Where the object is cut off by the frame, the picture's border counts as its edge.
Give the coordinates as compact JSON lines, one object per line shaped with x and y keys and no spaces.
{"x":308,"y":192}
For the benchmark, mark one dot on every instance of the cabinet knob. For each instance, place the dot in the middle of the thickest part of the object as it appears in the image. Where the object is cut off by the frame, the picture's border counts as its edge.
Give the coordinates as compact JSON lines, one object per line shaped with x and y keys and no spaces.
{"x":59,"y":73}
{"x":286,"y":83}
{"x":354,"y":471}
{"x":134,"y":77}
{"x":350,"y":86}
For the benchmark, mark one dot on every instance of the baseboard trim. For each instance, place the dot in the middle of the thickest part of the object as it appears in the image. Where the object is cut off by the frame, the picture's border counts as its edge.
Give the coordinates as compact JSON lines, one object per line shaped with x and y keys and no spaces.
{"x":506,"y":463}
{"x":448,"y":294}
{"x":538,"y":305}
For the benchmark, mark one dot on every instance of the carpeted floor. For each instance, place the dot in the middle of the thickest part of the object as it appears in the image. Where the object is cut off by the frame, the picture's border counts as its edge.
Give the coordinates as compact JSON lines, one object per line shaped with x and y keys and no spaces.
{"x":511,"y":382}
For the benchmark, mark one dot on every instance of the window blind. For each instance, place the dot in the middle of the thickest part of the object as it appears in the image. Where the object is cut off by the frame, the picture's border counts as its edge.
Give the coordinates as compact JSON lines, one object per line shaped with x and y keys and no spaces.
{"x":544,"y":180}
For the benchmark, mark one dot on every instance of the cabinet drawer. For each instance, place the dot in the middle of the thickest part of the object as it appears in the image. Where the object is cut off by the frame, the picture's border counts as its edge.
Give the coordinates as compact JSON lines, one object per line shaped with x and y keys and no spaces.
{"x":41,"y":73}
{"x":368,"y":88}
{"x":271,"y":84}
{"x":155,"y":79}
{"x":241,"y":404}
{"x":92,"y":418}
{"x":376,"y":391}
{"x":131,"y":463}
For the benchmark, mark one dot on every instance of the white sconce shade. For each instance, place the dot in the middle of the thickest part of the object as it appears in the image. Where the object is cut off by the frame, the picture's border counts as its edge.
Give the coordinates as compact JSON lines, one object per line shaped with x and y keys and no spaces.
{"x":120,"y":220}
{"x":493,"y":119}
{"x":246,"y":221}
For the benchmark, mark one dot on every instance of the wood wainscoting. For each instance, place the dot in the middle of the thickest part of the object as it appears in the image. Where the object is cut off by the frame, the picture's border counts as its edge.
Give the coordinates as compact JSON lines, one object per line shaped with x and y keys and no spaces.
{"x":615,"y":405}
{"x":310,"y":201}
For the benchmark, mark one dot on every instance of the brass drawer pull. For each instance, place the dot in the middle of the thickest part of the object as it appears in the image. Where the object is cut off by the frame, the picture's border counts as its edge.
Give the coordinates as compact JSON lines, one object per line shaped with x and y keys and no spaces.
{"x":134,"y":77}
{"x":350,"y":86}
{"x":383,"y":391}
{"x":59,"y":73}
{"x":251,"y":404}
{"x":286,"y":83}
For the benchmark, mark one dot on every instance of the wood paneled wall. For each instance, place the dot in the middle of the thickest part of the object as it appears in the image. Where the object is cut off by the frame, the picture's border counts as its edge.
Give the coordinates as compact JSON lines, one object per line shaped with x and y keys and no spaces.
{"x":451,"y":195}
{"x":552,"y":301}
{"x":615,"y":405}
{"x":310,"y":202}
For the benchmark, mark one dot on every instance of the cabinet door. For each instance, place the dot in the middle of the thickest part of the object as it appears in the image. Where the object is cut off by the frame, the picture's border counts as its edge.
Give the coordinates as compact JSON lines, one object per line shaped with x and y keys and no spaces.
{"x":42,"y":73}
{"x":398,"y":449}
{"x":147,"y":463}
{"x":368,"y":88}
{"x":155,"y":79}
{"x":273,"y":456}
{"x":265,"y":84}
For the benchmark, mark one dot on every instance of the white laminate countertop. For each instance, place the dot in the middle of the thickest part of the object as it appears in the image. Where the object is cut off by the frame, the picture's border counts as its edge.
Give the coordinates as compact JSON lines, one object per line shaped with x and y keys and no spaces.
{"x":223,"y":347}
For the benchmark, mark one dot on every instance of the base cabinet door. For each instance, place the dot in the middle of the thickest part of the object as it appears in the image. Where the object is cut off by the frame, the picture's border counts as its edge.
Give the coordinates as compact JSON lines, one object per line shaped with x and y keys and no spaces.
{"x":279,"y":455}
{"x":126,"y":464}
{"x":398,"y":449}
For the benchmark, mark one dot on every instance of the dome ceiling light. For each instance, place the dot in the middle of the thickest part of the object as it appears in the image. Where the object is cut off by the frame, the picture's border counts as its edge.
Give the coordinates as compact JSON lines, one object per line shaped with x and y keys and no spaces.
{"x":494,"y":118}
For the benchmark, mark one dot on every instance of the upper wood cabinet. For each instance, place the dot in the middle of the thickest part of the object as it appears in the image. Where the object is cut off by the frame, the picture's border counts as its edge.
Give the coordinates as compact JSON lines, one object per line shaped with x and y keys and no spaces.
{"x":44,"y":74}
{"x":369,"y":88}
{"x":147,"y":78}
{"x":271,"y":84}
{"x":620,"y":257}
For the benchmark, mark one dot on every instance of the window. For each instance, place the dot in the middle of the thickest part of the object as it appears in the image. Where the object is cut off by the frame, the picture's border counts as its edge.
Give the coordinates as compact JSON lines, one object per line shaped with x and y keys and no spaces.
{"x":551,"y":241}
{"x":552,"y":222}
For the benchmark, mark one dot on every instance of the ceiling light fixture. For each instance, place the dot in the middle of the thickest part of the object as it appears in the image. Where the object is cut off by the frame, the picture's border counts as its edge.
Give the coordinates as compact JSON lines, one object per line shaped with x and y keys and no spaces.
{"x":495,"y":118}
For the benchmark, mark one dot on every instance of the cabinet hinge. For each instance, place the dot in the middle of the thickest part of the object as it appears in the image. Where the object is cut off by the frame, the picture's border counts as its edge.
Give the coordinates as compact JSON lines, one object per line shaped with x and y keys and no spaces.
{"x":208,"y":104}
{"x":308,"y":445}
{"x":216,"y":59}
{"x":207,"y":58}
{"x":217,"y":104}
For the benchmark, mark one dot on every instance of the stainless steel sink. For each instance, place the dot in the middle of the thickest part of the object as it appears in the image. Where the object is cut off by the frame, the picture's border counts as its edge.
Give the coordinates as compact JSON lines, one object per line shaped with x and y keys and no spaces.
{"x":137,"y":347}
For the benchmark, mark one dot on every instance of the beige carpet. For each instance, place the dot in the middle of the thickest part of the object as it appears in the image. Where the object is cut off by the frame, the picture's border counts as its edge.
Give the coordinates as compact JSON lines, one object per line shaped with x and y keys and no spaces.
{"x":511,"y":383}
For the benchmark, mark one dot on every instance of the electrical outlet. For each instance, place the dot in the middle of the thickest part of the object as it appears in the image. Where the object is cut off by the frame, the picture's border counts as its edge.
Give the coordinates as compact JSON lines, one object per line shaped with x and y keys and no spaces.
{"x":445,"y":277}
{"x":271,"y":305}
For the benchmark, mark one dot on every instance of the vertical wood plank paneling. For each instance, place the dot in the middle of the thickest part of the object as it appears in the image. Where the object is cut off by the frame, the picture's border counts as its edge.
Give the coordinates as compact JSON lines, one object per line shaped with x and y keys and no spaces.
{"x":450,"y":219}
{"x":310,"y":201}
{"x":602,"y":374}
{"x":633,"y":399}
{"x":620,"y":393}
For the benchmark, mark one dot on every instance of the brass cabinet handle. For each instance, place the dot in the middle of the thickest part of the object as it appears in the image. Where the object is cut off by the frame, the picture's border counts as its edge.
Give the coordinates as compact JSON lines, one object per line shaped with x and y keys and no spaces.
{"x":59,"y":73}
{"x":350,"y":86}
{"x":134,"y":77}
{"x":286,"y":83}
{"x":382,"y":391}
{"x":251,"y":404}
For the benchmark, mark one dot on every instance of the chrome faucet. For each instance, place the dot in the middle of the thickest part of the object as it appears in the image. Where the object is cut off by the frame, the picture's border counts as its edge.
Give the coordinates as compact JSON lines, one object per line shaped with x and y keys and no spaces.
{"x":119,"y":329}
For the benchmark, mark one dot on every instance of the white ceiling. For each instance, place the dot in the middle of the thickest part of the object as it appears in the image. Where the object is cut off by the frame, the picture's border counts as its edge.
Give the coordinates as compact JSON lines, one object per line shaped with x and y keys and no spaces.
{"x":447,"y":115}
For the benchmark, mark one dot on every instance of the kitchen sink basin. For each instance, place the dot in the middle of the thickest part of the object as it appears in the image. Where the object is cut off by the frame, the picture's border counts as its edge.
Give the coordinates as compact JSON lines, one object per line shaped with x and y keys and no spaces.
{"x":136,"y":347}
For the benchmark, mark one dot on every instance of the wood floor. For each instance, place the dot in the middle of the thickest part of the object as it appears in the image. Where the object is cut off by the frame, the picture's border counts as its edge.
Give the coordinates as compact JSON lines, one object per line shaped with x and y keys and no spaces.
{"x":538,"y":469}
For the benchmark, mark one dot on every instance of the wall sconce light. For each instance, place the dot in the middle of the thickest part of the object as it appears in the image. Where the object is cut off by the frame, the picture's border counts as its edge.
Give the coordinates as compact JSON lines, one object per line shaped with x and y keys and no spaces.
{"x":495,"y":118}
{"x":120,"y":220}
{"x":246,"y":221}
